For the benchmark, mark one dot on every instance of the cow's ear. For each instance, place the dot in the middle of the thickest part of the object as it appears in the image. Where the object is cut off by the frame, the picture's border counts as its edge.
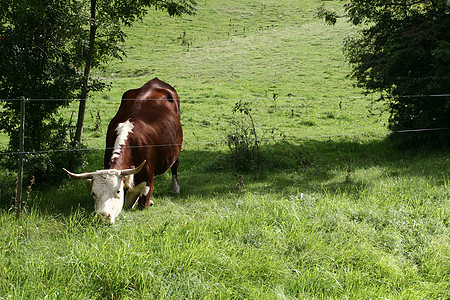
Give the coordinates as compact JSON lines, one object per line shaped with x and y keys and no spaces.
{"x":89,"y":184}
{"x":169,"y":97}
{"x":128,"y":181}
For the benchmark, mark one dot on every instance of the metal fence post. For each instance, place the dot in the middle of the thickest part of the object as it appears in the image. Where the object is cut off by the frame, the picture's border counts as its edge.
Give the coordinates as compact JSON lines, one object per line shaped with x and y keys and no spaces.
{"x":18,"y":204}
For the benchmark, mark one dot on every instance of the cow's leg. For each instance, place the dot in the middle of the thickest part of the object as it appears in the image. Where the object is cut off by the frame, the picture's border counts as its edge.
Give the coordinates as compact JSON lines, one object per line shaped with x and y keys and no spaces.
{"x":146,"y":200}
{"x":133,"y":194}
{"x":175,"y":185}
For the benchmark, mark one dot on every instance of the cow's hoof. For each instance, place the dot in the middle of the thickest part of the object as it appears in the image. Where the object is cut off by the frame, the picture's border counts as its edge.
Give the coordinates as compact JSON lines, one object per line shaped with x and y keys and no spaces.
{"x":145,"y":205}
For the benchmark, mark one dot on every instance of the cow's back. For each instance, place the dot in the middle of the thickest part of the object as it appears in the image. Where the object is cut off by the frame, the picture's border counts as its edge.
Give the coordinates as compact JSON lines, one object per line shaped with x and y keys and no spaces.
{"x":156,"y":136}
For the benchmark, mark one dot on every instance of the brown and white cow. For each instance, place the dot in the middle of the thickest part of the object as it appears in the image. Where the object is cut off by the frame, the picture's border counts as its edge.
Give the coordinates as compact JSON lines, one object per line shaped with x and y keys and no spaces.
{"x":146,"y":132}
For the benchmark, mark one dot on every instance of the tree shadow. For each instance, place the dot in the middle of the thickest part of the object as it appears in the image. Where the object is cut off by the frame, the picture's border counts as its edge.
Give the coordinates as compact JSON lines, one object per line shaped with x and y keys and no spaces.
{"x":310,"y":166}
{"x":286,"y":169}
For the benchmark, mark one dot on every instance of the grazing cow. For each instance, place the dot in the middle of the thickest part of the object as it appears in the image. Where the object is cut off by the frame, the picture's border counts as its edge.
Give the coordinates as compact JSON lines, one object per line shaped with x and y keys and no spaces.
{"x":146,"y":132}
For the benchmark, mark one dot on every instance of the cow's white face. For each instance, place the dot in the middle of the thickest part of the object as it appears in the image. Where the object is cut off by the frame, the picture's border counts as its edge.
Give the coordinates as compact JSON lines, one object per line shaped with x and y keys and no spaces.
{"x":107,"y":187}
{"x":107,"y":190}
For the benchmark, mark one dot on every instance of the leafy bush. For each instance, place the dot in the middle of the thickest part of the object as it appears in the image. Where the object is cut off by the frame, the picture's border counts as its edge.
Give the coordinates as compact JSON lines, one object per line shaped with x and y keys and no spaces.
{"x":56,"y":152}
{"x":243,"y":140}
{"x":420,"y":122}
{"x":249,"y":150}
{"x":403,"y":49}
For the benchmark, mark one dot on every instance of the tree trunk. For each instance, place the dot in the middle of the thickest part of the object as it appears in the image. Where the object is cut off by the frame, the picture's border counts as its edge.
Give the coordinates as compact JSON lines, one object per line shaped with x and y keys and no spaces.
{"x":86,"y":75}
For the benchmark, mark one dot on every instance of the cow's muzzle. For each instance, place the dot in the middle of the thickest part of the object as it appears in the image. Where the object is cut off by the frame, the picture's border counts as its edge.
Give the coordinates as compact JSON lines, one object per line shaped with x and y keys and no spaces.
{"x":105,"y":216}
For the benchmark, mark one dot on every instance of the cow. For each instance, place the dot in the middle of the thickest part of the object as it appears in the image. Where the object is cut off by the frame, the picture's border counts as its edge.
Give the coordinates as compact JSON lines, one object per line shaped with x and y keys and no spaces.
{"x":145,"y":132}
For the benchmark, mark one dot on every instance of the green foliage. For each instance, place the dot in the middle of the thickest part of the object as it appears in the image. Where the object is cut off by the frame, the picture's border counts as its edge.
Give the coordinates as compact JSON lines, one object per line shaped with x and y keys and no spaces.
{"x":36,"y":61}
{"x":250,"y":148}
{"x":112,"y":16}
{"x":177,"y":7}
{"x":104,"y":22}
{"x":39,"y":62}
{"x":56,"y":152}
{"x":368,"y":241}
{"x":329,"y":16}
{"x":403,"y":49}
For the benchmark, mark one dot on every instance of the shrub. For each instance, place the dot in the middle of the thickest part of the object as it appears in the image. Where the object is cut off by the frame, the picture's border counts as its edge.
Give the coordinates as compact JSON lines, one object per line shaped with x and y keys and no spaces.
{"x":403,"y":49}
{"x":55,"y":153}
{"x":243,"y":140}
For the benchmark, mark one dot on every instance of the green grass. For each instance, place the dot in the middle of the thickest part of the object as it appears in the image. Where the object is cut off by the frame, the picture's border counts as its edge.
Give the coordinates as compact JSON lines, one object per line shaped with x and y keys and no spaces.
{"x":333,"y":212}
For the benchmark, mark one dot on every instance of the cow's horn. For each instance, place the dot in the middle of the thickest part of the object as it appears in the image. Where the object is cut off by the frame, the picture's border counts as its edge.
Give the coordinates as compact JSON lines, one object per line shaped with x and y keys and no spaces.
{"x":79,"y":176}
{"x":133,"y":171}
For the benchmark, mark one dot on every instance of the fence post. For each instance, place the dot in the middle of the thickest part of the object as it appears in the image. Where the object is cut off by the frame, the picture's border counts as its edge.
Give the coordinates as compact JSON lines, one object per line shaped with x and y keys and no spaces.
{"x":18,"y":204}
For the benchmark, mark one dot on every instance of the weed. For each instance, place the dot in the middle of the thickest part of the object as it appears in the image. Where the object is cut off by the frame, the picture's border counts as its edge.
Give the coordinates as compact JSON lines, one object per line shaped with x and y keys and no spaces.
{"x":240,"y":184}
{"x":24,"y":204}
{"x":29,"y":198}
{"x":307,"y":123}
{"x":349,"y":172}
{"x":243,"y":139}
{"x":97,"y":119}
{"x":184,"y":40}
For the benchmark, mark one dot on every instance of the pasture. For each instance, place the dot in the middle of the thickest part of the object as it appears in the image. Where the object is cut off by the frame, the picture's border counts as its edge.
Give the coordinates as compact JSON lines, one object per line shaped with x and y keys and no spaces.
{"x":329,"y":210}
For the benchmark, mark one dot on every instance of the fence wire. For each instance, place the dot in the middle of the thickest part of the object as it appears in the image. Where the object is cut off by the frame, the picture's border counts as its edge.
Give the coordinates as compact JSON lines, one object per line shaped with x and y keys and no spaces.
{"x":251,"y":99}
{"x":227,"y":142}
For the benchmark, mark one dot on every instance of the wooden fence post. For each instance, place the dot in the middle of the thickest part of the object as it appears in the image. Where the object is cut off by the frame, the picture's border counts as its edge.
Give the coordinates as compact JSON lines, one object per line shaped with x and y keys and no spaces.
{"x":18,"y":204}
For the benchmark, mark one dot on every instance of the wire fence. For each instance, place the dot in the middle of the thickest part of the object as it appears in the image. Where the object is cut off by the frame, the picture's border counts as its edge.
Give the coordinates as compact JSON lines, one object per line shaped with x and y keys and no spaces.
{"x":274,"y":102}
{"x":226,"y":142}
{"x":303,"y":111}
{"x":253,"y":99}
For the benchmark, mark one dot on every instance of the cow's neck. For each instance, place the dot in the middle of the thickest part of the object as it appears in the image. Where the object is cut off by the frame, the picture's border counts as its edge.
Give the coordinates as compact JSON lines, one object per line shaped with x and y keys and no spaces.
{"x":120,"y":163}
{"x":121,"y":152}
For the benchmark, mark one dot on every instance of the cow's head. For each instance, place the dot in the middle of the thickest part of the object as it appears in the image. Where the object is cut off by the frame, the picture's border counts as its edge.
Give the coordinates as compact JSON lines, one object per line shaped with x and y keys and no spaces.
{"x":106,"y":187}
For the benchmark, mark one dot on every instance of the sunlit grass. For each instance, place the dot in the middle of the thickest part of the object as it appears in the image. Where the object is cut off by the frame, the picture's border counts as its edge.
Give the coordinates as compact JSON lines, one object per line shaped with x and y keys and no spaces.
{"x":258,"y":244}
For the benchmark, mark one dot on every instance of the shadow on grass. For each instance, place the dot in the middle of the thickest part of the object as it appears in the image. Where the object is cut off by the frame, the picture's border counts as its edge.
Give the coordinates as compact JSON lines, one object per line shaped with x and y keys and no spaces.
{"x":311,"y":166}
{"x":287,"y":169}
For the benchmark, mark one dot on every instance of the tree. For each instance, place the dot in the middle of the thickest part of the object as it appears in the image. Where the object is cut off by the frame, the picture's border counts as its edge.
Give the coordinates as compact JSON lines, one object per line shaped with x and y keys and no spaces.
{"x":37,"y":61}
{"x":402,"y":51}
{"x":33,"y":63}
{"x":105,"y":33}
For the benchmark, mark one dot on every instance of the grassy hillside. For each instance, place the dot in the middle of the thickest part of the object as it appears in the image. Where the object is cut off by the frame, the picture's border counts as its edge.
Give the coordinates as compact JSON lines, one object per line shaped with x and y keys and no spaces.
{"x":237,"y":49}
{"x":329,"y":211}
{"x":231,"y":51}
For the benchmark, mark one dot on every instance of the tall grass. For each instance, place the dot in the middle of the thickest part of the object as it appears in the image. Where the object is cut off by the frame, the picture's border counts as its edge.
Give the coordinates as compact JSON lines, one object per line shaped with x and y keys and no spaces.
{"x":333,"y":212}
{"x":324,"y":244}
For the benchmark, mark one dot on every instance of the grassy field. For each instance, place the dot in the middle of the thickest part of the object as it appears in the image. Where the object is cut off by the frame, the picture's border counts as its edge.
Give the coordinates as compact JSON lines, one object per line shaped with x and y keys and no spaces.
{"x":331,"y":212}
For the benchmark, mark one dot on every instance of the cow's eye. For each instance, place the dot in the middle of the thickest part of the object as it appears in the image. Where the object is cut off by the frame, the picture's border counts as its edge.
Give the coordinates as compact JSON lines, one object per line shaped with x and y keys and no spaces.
{"x":93,"y":194}
{"x":118,"y":192}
